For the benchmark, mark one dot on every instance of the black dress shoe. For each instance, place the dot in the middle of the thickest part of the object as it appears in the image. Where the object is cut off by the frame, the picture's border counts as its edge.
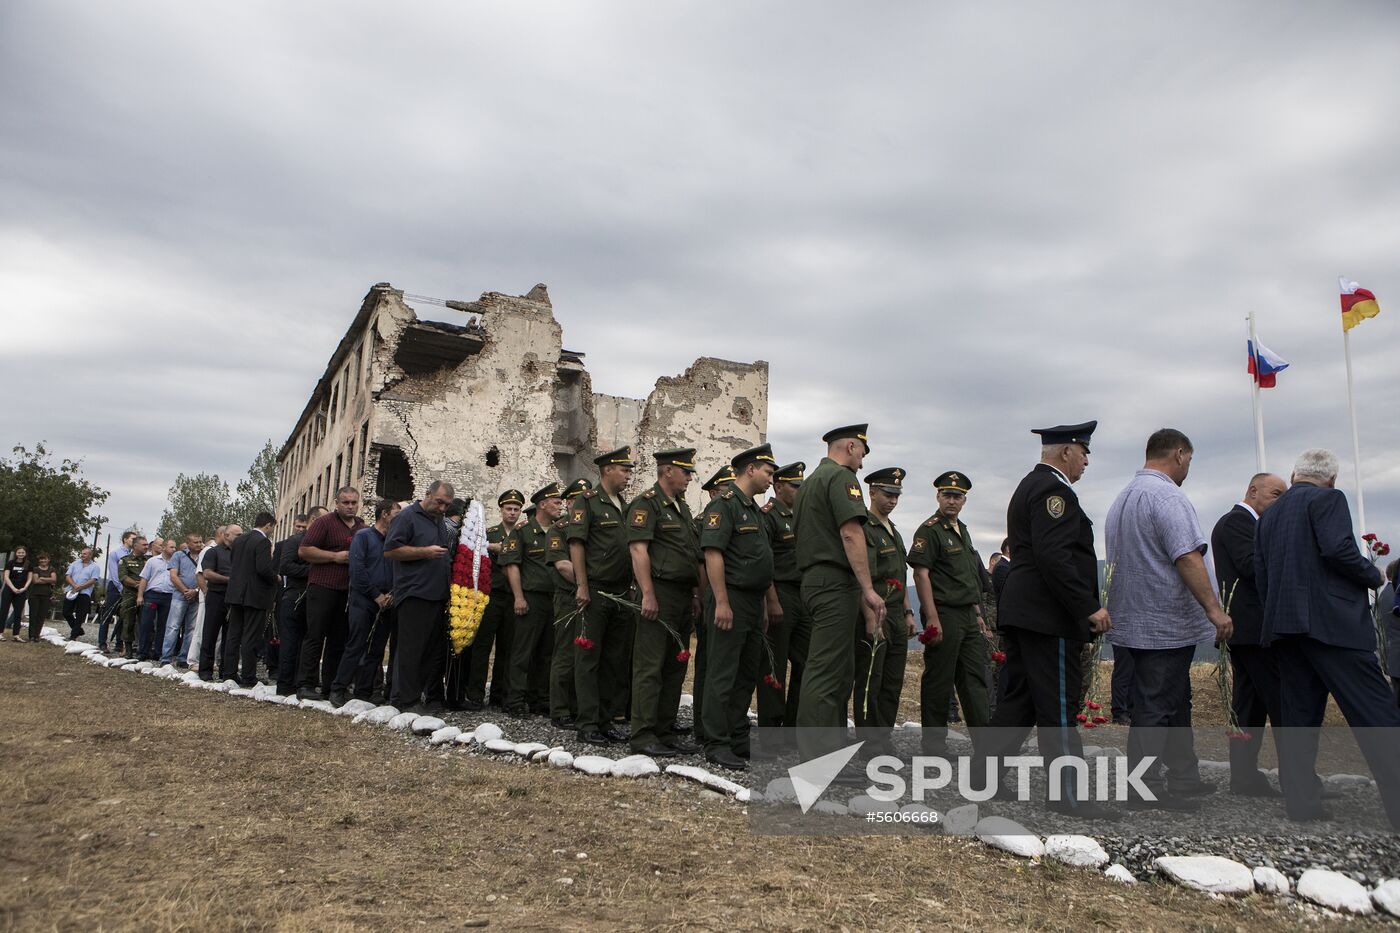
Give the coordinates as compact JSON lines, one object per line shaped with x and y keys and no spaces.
{"x":727,"y":759}
{"x":742,"y":753}
{"x":1263,"y":789}
{"x":613,"y":735}
{"x":434,"y":708}
{"x":593,"y":737}
{"x":309,"y":693}
{"x":656,"y":750}
{"x":679,"y":729}
{"x":685,"y":748}
{"x":1199,"y":789}
{"x":519,"y":712}
{"x":560,"y":722}
{"x":473,"y":705}
{"x":338,"y":698}
{"x":417,"y":709}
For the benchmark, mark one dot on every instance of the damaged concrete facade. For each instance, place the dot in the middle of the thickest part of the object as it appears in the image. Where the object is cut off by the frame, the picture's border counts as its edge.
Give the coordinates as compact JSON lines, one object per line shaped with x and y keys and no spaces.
{"x":492,"y":403}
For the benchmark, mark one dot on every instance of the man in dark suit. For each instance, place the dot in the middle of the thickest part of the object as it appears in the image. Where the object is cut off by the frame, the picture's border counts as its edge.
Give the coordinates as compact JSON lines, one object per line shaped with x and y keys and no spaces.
{"x":1001,"y":569}
{"x":252,"y":585}
{"x":1049,"y":609}
{"x":291,"y":605}
{"x":1256,"y":692}
{"x":1313,"y":581}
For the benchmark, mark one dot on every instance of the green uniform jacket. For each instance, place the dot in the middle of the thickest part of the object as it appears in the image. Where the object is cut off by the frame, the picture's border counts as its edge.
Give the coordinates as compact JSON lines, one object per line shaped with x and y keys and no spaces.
{"x":889,"y":567}
{"x":734,"y":526}
{"x":778,"y":518}
{"x":944,"y":548}
{"x":527,"y":547}
{"x":596,"y":521}
{"x":669,"y":528}
{"x":497,"y":534}
{"x":828,"y":499}
{"x":130,"y":566}
{"x":558,"y":549}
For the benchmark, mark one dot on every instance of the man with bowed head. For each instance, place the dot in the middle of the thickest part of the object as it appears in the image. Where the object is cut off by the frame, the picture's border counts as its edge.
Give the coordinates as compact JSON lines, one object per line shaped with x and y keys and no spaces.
{"x":1313,"y":580}
{"x":420,"y":544}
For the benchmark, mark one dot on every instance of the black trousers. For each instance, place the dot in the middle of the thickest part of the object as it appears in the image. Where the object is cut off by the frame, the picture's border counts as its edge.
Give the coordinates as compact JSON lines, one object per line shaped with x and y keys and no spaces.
{"x":38,"y":614}
{"x":497,"y":627}
{"x":215,"y":624}
{"x":1042,"y":677}
{"x":1308,"y":671}
{"x":291,"y":629}
{"x":383,"y":632}
{"x":1257,"y":698}
{"x":362,"y":614}
{"x":1161,"y":721}
{"x":75,"y":610}
{"x":420,"y":621}
{"x":244,"y":635}
{"x":1121,"y":687}
{"x":324,"y":643}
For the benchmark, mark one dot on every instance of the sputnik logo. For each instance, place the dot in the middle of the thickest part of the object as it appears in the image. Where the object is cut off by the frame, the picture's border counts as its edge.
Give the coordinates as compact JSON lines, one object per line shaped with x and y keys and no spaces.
{"x":810,"y":779}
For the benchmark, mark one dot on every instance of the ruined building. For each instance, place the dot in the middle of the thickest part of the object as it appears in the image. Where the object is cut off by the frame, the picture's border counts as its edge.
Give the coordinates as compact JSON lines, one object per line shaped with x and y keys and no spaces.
{"x":493,"y":401}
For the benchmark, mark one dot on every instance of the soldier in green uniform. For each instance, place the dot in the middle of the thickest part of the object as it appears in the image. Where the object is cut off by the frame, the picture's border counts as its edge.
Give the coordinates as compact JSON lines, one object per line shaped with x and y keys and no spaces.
{"x":666,"y":566}
{"x":525,"y":558}
{"x":947,"y":575}
{"x":498,"y":622}
{"x":880,"y":663}
{"x":788,"y":626}
{"x":712,"y":487}
{"x":597,"y":535}
{"x":837,"y":590}
{"x":563,"y":701}
{"x":129,"y":569}
{"x":739,"y":567}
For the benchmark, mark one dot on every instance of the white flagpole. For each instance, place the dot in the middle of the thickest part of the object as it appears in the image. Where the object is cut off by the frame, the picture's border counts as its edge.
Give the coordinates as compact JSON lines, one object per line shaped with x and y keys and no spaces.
{"x":1258,"y":409}
{"x":1355,"y":435}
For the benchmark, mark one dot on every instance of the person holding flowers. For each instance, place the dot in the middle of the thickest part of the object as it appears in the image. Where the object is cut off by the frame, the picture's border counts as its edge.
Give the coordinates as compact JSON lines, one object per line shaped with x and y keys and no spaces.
{"x":602,"y":567}
{"x":880,"y":660}
{"x":948,"y":577}
{"x":498,"y":622}
{"x":789,"y":629}
{"x":665,"y":552}
{"x":524,"y":555}
{"x":739,"y":567}
{"x":563,"y":699}
{"x":420,"y":545}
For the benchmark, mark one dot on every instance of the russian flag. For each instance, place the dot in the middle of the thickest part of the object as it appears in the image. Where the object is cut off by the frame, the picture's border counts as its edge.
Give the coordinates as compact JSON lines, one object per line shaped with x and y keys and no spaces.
{"x":1264,"y":364}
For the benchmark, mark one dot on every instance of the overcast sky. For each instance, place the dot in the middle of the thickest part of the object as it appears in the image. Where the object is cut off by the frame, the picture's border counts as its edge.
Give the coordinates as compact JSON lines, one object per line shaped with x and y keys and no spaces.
{"x":954,"y":221}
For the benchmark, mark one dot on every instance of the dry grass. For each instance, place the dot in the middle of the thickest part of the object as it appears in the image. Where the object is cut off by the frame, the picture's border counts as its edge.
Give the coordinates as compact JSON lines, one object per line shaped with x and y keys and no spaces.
{"x":135,"y":803}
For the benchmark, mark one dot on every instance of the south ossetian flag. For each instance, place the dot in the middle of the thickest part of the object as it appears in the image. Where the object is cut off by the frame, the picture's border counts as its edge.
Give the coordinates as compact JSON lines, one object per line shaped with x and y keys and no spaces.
{"x":1264,"y":364}
{"x":1357,"y":303}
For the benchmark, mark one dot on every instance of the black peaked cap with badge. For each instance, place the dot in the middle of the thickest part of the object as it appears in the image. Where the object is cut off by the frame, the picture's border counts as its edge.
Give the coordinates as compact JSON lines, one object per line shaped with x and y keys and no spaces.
{"x":620,"y":457}
{"x":683,"y":457}
{"x":953,"y":481}
{"x":763,"y":453}
{"x":890,"y":479}
{"x":791,"y":473}
{"x":552,"y":491}
{"x":577,"y":488}
{"x":860,"y":432}
{"x":511,"y":495}
{"x":1068,"y":434}
{"x":724,"y":474}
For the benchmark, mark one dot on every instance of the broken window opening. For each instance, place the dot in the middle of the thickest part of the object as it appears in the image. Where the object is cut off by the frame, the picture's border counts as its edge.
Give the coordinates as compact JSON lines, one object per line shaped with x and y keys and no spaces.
{"x":395,"y":479}
{"x":493,"y":457}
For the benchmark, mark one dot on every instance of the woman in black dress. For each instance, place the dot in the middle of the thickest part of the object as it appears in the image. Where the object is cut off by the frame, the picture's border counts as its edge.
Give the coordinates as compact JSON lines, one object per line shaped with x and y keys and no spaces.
{"x":41,"y":586}
{"x":14,"y":591}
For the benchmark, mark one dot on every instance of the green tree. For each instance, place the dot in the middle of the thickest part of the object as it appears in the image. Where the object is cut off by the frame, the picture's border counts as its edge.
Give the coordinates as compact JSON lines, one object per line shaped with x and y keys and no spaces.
{"x":46,"y":507}
{"x":198,"y":503}
{"x":257,"y":492}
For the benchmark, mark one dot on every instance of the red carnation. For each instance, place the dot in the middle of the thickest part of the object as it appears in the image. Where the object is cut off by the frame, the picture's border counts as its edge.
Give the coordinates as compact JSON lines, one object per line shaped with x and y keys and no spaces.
{"x":771,"y":681}
{"x":1088,"y":725}
{"x":999,"y":657}
{"x":929,"y":634}
{"x":1082,"y":718}
{"x":1100,"y":720}
{"x":1092,"y":705}
{"x":1382,"y":549}
{"x":683,"y":655}
{"x":1240,"y":736}
{"x":896,"y":585}
{"x":1368,"y":537}
{"x":585,"y":643}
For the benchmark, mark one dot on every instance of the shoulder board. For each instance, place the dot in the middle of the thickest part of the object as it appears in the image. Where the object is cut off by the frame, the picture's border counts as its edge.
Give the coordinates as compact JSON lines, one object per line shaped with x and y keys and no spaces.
{"x":650,"y":493}
{"x":931,"y":522}
{"x":493,"y":528}
{"x":767,"y":506}
{"x":590,"y":494}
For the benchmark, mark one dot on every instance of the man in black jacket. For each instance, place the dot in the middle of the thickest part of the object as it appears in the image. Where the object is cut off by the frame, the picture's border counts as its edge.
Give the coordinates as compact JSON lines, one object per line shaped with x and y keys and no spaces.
{"x":1049,"y":609}
{"x":1256,"y":691}
{"x":291,"y":602}
{"x":252,"y":584}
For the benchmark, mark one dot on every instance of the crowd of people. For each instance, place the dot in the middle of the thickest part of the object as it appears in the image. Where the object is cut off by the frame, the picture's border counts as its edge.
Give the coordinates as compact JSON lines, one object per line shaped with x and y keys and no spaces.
{"x":801,"y":599}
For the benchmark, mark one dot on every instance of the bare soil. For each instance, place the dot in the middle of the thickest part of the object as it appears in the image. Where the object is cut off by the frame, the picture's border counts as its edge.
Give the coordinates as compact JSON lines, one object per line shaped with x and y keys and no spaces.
{"x":135,"y":803}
